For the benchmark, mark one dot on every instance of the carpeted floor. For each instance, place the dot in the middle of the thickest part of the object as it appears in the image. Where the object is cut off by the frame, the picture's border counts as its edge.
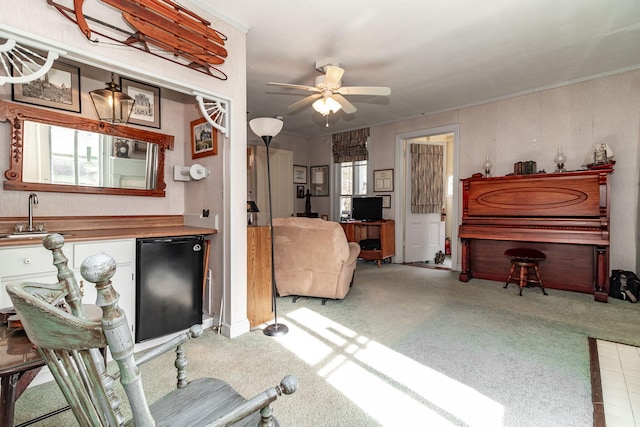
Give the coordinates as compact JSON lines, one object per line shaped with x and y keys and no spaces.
{"x":410,"y":346}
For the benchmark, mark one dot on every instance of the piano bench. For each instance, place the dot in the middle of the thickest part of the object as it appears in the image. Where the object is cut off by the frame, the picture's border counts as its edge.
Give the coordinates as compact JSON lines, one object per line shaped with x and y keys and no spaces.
{"x":526,"y":260}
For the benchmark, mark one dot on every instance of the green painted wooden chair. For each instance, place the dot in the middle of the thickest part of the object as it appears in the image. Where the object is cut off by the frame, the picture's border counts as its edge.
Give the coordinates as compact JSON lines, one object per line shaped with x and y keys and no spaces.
{"x":54,"y":320}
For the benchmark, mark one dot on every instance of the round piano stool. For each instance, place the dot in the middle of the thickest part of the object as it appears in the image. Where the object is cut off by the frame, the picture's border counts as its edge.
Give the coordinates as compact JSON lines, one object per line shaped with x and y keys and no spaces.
{"x":527,"y":261}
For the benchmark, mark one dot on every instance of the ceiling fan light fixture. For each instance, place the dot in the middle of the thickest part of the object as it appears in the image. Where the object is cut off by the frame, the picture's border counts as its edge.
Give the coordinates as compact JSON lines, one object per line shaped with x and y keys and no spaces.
{"x":326,"y":106}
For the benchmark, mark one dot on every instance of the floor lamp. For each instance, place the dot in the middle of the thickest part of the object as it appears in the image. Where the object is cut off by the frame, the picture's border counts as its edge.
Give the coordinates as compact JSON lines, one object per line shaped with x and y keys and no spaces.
{"x":266,"y":128}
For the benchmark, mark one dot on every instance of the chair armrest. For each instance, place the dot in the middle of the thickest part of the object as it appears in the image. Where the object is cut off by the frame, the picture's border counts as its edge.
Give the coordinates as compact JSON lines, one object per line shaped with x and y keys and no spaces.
{"x":194,"y":332}
{"x":262,"y":401}
{"x":354,"y":251}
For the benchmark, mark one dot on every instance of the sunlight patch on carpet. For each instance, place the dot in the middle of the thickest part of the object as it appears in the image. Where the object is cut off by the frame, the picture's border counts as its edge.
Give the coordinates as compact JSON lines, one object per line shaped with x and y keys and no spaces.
{"x":389,"y":386}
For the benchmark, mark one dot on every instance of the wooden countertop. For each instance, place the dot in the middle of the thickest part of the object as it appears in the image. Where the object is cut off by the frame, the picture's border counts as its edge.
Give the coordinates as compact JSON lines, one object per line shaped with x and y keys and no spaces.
{"x":75,"y":229}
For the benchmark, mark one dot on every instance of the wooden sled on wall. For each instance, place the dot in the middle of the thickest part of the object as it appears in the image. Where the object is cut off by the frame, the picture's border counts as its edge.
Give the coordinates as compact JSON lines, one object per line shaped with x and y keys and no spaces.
{"x":184,"y":37}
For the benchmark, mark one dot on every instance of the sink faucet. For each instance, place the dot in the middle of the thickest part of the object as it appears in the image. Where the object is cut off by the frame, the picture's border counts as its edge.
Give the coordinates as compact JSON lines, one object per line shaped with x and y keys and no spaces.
{"x":33,"y":200}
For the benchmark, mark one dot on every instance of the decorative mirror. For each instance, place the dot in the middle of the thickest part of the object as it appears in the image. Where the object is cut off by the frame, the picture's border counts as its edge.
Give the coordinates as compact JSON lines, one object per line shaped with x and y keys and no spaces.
{"x":57,"y":152}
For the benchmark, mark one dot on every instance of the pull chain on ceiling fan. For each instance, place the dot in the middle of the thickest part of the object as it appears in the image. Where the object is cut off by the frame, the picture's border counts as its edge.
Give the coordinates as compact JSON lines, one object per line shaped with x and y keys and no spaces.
{"x":330,"y":94}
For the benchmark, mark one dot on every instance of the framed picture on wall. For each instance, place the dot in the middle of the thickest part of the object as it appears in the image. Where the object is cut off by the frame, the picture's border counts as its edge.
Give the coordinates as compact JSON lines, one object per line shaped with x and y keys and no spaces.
{"x":58,"y":88}
{"x":383,"y":180}
{"x":299,"y":174}
{"x":386,"y":201}
{"x":204,"y":139}
{"x":319,"y":180}
{"x":300,"y":191}
{"x":146,"y":109}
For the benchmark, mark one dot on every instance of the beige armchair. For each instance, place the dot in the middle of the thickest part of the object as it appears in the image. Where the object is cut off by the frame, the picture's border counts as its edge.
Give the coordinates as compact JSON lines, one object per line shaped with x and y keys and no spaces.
{"x":313,"y":258}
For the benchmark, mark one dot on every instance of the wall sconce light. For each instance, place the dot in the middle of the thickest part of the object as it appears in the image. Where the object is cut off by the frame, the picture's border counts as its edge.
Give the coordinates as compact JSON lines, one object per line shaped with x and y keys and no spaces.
{"x":190,"y":173}
{"x":111,"y":104}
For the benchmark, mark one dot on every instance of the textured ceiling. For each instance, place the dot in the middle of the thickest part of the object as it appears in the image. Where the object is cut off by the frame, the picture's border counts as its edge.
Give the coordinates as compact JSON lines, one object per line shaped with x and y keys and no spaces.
{"x":434,"y":55}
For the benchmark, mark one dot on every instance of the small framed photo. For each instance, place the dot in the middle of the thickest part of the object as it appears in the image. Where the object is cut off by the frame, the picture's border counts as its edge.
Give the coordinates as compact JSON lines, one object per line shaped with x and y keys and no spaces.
{"x":300,"y":191}
{"x":58,"y":88}
{"x":383,"y":180}
{"x":204,"y":139}
{"x":146,"y":109}
{"x":325,"y":217}
{"x":386,"y":201}
{"x":319,"y":180}
{"x":299,"y":174}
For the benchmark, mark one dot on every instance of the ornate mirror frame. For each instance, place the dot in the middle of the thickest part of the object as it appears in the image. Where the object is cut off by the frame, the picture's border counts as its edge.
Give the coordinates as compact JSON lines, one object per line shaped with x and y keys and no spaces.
{"x":16,"y":114}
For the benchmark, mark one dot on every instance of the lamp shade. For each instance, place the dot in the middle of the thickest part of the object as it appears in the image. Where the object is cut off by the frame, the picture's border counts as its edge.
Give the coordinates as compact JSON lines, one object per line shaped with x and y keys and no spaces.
{"x":111,"y":104}
{"x":266,"y":126}
{"x":252,"y":207}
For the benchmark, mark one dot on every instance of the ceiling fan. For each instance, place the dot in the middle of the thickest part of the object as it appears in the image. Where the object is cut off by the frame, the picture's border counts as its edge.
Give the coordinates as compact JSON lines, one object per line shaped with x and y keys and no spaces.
{"x":330,"y":94}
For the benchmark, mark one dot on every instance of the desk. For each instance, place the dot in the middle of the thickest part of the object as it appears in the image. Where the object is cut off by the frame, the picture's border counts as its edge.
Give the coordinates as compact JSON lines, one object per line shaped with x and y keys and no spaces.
{"x":20,"y":362}
{"x":383,"y":230}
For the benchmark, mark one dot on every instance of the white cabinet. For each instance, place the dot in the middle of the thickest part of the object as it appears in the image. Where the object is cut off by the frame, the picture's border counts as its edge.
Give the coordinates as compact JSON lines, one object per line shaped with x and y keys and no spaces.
{"x":35,"y":263}
{"x":124,"y":253}
{"x":25,"y":263}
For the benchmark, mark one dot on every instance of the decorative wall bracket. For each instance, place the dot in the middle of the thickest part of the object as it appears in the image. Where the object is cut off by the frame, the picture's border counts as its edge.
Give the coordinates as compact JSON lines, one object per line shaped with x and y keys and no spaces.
{"x":20,"y":61}
{"x":215,"y":111}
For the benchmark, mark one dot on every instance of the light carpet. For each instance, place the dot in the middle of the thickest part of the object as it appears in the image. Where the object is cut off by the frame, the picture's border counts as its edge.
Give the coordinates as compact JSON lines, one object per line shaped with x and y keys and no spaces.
{"x":410,"y":346}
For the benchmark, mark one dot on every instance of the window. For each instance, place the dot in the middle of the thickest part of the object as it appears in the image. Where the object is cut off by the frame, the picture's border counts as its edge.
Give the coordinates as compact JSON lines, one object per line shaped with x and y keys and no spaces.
{"x":352,"y":181}
{"x":74,"y":157}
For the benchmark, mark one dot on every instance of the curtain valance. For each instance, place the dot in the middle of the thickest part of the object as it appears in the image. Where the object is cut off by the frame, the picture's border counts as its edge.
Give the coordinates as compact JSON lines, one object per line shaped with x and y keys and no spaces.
{"x":350,"y":146}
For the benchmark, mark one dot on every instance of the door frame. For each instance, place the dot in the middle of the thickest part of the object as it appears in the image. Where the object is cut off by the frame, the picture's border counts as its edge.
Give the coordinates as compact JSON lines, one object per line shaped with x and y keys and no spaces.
{"x":408,"y":216}
{"x":400,"y":210}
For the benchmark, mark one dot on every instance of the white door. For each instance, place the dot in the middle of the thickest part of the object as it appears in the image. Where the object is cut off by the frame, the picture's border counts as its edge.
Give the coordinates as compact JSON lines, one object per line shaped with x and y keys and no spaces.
{"x":281,"y":163}
{"x":424,"y":232}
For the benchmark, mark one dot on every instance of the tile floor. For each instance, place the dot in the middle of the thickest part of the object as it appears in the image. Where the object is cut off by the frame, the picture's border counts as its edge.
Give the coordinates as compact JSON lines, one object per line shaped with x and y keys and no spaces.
{"x":620,"y":377}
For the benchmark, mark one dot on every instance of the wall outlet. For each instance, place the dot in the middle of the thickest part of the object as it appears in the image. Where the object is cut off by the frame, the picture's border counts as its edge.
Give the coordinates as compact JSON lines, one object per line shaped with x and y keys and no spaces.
{"x":205,"y":213}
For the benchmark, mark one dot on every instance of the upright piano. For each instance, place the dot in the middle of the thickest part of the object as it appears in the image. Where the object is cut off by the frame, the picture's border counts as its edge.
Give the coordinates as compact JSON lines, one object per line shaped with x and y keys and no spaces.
{"x":565,"y":215}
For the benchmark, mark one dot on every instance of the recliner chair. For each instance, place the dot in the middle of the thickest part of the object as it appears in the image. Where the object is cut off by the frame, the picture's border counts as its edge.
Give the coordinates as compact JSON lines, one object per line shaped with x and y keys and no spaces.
{"x":313,"y":258}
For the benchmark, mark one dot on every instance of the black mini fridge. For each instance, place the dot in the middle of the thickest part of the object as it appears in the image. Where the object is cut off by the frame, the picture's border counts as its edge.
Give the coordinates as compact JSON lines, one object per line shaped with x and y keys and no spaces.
{"x":169,"y":277}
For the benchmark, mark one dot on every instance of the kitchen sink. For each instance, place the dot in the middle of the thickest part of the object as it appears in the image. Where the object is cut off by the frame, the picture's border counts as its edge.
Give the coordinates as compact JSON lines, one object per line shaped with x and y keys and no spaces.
{"x":29,"y":235}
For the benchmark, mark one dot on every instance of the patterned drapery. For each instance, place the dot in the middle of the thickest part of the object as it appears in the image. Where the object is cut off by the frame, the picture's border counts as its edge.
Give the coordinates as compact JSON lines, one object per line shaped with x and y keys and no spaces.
{"x":426,"y":178}
{"x":350,"y":146}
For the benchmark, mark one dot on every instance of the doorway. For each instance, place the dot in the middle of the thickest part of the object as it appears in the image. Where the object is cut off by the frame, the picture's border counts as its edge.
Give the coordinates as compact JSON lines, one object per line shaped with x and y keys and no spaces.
{"x":422,"y":235}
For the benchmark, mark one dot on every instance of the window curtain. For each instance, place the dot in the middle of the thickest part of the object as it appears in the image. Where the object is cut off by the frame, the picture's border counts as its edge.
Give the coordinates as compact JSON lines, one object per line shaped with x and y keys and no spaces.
{"x":426,"y":178}
{"x":350,"y":146}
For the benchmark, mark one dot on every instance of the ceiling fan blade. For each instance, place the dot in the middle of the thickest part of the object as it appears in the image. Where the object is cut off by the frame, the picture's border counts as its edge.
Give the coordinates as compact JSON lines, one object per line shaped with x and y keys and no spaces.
{"x":364,"y":90}
{"x":304,"y":101}
{"x":293,"y":86}
{"x":333,"y":76}
{"x":347,"y":107}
